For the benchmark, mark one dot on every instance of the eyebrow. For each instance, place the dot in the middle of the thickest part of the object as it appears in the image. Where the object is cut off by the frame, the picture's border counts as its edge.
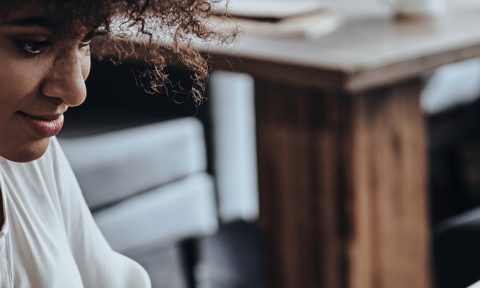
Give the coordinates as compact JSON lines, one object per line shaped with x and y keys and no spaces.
{"x":29,"y":21}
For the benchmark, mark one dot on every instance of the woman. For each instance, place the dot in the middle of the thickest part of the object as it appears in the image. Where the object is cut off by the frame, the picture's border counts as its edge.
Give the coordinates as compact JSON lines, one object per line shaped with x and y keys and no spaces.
{"x":48,"y":237}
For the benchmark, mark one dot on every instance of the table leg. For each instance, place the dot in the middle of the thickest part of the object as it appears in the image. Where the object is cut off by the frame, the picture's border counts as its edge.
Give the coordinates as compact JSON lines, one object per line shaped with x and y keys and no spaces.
{"x":343,"y":187}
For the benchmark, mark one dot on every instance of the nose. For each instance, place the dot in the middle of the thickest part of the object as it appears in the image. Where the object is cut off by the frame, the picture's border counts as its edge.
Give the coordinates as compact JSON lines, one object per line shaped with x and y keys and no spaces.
{"x":66,"y":79}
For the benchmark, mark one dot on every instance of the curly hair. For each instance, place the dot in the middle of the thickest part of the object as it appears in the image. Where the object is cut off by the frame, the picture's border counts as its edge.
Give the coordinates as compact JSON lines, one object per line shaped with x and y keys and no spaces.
{"x":177,"y":21}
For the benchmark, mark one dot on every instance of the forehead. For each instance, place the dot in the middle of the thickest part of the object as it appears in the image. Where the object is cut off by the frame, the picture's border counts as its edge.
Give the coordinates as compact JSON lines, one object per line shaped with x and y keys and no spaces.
{"x":14,"y":9}
{"x":60,"y":16}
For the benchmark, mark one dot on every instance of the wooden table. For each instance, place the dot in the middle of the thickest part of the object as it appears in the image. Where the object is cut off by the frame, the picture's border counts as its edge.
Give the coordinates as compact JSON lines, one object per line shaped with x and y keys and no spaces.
{"x":342,"y":144}
{"x":342,"y":147}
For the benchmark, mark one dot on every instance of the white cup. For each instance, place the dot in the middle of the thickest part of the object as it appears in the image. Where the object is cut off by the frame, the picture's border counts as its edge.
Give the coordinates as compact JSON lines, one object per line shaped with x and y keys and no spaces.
{"x":410,"y":8}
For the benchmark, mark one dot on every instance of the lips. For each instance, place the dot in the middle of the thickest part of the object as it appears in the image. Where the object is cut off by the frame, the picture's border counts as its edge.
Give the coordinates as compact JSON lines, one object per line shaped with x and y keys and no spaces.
{"x":45,"y":125}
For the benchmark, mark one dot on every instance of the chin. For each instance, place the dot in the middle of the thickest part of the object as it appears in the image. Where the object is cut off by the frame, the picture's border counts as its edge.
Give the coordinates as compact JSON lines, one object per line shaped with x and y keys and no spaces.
{"x":27,"y":152}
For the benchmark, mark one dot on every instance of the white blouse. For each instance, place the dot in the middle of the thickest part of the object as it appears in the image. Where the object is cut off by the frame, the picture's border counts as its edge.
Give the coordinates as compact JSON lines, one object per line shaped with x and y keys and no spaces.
{"x":49,"y":238}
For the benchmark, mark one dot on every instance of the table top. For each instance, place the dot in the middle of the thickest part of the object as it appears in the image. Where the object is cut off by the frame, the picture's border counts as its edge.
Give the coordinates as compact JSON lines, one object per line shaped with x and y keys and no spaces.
{"x":369,"y":48}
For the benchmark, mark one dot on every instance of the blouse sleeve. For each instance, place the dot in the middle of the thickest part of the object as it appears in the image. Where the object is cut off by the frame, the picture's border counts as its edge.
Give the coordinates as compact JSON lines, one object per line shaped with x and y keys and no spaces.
{"x":98,"y":264}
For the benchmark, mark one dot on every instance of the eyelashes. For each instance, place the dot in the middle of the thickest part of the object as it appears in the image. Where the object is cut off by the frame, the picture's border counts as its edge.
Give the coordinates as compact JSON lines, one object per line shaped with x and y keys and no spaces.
{"x":32,"y":47}
{"x":35,"y":47}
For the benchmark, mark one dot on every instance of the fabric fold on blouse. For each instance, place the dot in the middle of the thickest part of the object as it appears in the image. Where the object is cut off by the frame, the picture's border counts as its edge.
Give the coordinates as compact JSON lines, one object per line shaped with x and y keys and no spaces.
{"x":50,"y":237}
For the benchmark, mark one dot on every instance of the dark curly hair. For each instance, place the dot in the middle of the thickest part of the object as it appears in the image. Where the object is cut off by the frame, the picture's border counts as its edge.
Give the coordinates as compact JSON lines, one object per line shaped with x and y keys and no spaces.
{"x":177,"y":21}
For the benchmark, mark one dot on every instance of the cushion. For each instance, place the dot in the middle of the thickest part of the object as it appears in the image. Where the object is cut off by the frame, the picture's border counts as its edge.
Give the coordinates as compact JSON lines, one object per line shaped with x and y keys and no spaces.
{"x":116,"y":165}
{"x":175,"y":211}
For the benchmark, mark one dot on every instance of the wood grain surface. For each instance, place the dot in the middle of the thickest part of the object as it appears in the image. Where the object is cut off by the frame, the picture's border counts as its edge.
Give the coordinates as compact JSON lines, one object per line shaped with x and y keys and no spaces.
{"x":343,"y":187}
{"x":388,"y":204}
{"x":369,"y":49}
{"x":298,"y":161}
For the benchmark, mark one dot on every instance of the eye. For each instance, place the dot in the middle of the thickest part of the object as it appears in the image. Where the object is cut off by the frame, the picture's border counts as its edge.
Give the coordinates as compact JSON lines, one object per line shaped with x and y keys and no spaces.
{"x":32,"y":47}
{"x":84,"y":43}
{"x":87,"y":39}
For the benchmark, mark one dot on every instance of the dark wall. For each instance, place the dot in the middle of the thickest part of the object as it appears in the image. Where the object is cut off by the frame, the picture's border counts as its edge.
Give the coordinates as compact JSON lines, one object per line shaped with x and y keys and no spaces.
{"x":115,"y":101}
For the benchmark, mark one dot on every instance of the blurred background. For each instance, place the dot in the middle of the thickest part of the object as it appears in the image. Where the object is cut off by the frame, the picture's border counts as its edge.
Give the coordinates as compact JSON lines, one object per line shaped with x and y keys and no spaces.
{"x":175,"y":185}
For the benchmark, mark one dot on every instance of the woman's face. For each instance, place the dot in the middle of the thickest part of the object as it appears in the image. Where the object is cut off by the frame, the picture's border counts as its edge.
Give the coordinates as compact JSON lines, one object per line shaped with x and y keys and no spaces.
{"x":40,"y":78}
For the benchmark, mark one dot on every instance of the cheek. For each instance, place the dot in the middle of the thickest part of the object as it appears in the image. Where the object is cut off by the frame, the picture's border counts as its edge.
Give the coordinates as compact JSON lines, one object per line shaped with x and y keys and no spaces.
{"x":15,"y":83}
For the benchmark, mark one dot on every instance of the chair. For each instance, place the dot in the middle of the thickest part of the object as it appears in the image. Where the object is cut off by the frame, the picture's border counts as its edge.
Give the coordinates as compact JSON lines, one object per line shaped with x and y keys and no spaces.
{"x":135,"y":179}
{"x":147,"y":186}
{"x":148,"y":181}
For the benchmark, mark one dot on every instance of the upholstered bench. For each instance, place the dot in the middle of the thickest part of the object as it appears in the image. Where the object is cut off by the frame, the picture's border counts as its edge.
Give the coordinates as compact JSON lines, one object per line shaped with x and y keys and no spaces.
{"x":146,"y":185}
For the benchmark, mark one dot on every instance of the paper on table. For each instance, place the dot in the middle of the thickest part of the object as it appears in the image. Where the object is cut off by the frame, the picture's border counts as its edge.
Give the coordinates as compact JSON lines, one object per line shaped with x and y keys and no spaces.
{"x":276,"y":9}
{"x":307,"y":26}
